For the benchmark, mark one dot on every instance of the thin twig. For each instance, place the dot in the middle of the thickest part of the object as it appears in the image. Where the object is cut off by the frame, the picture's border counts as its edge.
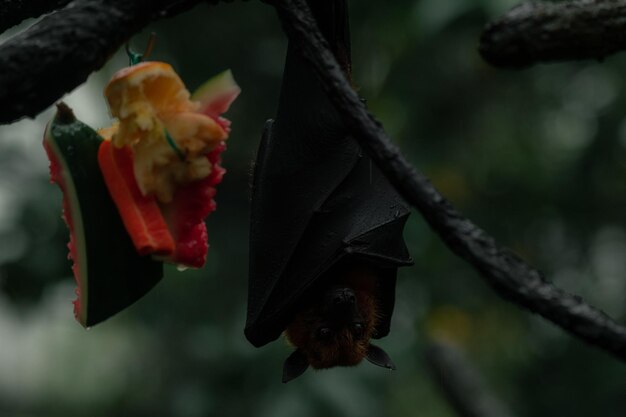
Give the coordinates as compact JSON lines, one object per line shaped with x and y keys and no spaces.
{"x":542,"y":32}
{"x":511,"y":277}
{"x":13,"y":12}
{"x":461,"y":383}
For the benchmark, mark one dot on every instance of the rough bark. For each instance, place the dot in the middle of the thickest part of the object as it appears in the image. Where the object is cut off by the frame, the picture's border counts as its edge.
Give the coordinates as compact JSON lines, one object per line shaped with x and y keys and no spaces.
{"x":13,"y":12}
{"x":542,"y":32}
{"x":511,"y":277}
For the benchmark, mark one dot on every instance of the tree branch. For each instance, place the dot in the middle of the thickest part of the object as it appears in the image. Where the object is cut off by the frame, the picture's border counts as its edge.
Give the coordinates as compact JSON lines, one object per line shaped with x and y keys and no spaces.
{"x":58,"y":53}
{"x":13,"y":12}
{"x":536,"y":32}
{"x":461,"y":383}
{"x":507,"y":274}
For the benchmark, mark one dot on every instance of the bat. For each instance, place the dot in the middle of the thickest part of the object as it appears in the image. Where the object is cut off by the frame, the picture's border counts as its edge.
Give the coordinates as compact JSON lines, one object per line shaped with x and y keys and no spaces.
{"x":334,"y":324}
{"x":325,"y":224}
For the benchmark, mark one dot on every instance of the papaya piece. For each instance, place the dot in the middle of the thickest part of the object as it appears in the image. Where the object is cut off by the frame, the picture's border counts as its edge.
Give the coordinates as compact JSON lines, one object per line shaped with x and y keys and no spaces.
{"x":140,"y":214}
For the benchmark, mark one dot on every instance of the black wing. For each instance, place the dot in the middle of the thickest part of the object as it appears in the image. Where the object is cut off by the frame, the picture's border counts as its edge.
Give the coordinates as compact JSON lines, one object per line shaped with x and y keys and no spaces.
{"x":315,"y":200}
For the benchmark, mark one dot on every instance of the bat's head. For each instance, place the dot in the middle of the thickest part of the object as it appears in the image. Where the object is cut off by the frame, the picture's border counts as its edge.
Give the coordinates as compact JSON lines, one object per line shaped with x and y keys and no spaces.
{"x":335,"y":324}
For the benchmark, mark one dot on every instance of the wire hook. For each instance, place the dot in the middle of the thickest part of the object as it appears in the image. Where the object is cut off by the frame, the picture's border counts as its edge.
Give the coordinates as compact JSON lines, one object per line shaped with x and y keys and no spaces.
{"x":135,"y":58}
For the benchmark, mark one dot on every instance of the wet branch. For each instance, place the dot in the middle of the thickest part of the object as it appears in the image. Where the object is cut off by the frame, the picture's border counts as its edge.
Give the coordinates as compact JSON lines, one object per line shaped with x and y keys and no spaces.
{"x":461,"y":383}
{"x":58,"y":53}
{"x":541,"y":32}
{"x":511,"y":277}
{"x":13,"y":12}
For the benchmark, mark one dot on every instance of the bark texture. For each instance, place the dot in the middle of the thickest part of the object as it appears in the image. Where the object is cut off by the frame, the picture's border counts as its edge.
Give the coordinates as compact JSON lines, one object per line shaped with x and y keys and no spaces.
{"x":543,"y":32}
{"x":13,"y":12}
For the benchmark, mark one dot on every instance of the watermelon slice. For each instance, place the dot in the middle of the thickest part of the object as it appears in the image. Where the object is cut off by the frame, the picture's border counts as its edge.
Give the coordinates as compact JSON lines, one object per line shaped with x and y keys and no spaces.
{"x":109,"y":272}
{"x":216,"y":95}
{"x":193,"y":202}
{"x":186,"y":213}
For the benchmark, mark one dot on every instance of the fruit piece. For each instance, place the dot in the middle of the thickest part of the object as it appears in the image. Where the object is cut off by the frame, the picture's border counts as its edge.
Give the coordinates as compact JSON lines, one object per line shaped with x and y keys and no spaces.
{"x":216,"y":95}
{"x":109,"y":273}
{"x":141,"y":214}
{"x":186,"y":213}
{"x":160,"y":123}
{"x":141,"y":90}
{"x":174,"y":143}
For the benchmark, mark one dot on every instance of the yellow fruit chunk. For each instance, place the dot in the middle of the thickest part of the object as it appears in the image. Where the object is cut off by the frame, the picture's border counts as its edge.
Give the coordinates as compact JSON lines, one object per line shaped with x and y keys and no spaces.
{"x":169,"y":137}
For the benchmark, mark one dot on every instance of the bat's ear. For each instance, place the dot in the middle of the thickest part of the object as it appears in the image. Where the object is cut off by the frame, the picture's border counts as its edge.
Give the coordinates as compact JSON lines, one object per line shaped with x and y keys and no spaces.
{"x":379,"y":357}
{"x":294,"y":366}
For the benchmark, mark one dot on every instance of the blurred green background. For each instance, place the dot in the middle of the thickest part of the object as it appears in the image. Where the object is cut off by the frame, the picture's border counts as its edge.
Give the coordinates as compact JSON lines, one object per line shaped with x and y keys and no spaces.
{"x":537,"y":157}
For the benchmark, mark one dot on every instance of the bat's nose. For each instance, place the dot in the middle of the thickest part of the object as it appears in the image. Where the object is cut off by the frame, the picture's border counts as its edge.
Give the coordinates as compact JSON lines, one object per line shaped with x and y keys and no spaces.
{"x":344,"y":297}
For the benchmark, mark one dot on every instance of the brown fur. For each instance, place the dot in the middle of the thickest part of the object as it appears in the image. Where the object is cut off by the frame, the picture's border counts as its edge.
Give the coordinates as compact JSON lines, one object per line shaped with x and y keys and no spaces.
{"x":343,"y":349}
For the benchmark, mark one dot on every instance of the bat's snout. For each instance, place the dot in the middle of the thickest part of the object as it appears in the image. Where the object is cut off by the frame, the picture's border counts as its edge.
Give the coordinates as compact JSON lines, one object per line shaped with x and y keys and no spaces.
{"x":341,"y":300}
{"x":343,"y":297}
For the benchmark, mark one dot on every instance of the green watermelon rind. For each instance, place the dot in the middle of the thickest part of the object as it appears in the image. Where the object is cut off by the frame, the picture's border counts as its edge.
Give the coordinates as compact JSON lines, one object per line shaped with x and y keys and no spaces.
{"x":111,"y":274}
{"x":76,"y":219}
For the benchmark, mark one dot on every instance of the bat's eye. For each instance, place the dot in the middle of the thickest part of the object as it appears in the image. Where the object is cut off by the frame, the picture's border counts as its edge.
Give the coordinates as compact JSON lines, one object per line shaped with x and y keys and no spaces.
{"x":358,"y":330}
{"x":324,"y":333}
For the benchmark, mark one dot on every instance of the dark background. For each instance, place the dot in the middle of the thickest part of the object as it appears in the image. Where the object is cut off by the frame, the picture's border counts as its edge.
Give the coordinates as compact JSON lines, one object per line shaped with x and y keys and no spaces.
{"x":537,"y":157}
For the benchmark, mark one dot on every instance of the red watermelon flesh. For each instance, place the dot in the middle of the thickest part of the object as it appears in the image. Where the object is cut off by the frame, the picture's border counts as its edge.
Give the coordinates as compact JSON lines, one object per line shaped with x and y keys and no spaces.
{"x":57,"y":178}
{"x":185,"y":215}
{"x":109,"y":273}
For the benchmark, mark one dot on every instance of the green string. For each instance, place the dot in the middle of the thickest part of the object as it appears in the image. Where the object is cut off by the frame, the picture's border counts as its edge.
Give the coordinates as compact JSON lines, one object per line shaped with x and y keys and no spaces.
{"x":135,"y":58}
{"x":172,"y":143}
